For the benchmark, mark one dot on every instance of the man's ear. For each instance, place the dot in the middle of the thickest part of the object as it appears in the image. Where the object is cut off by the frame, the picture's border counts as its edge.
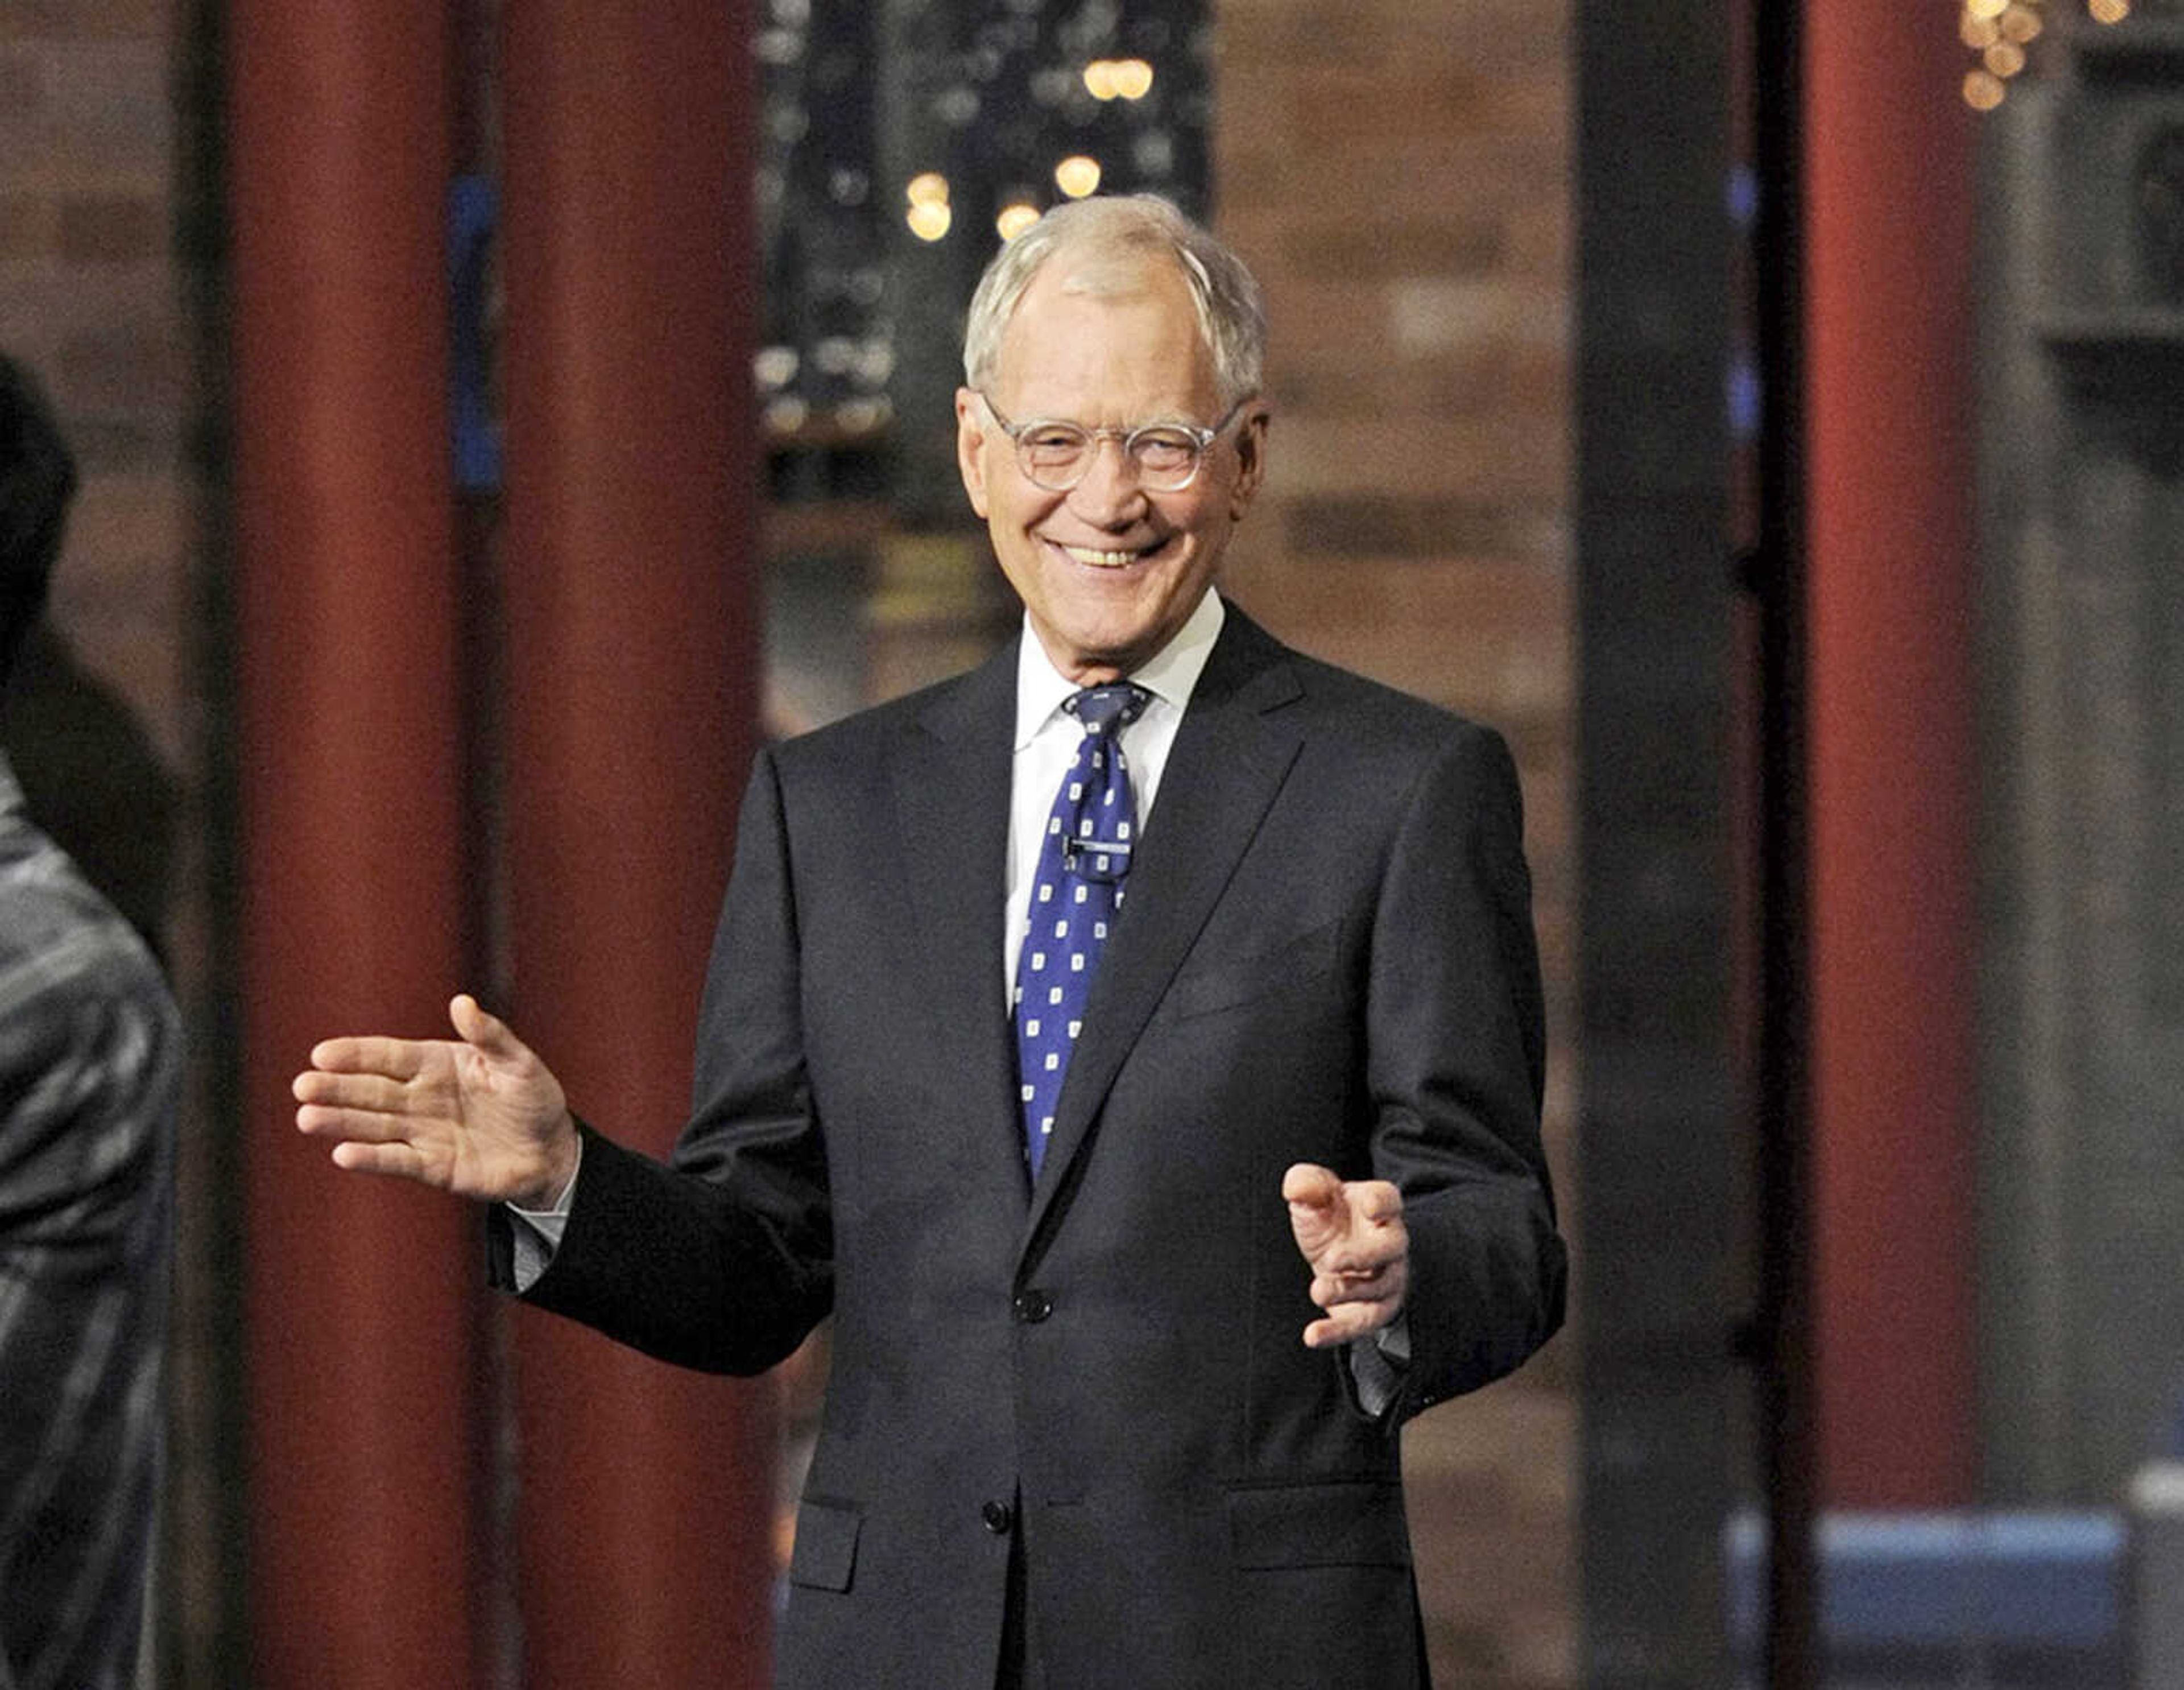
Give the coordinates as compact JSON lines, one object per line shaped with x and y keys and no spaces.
{"x":971,"y":447}
{"x":1250,"y":459}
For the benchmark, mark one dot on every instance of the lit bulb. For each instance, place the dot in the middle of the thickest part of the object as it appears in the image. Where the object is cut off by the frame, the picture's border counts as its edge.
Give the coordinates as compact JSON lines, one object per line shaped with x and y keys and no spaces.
{"x":1983,"y":90}
{"x":930,"y":189}
{"x":1132,"y":78}
{"x":774,"y":367}
{"x":1986,"y":10}
{"x":929,"y":219}
{"x":1077,"y":177}
{"x":1100,"y":79}
{"x":2005,"y":58}
{"x":2020,"y":24}
{"x":2108,"y":11}
{"x":1014,"y":220}
{"x":1979,"y":33}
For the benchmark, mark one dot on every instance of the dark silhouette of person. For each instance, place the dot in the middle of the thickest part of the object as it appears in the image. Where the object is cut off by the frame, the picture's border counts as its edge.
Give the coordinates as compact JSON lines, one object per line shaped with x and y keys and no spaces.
{"x":91,"y":1067}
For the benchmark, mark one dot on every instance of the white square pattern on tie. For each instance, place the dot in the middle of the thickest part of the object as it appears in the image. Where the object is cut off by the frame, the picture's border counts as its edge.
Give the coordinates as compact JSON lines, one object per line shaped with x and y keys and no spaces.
{"x":1086,"y":848}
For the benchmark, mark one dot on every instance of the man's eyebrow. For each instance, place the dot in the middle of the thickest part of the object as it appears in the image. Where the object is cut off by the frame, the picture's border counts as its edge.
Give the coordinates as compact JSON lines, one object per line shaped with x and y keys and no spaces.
{"x":1159,"y":420}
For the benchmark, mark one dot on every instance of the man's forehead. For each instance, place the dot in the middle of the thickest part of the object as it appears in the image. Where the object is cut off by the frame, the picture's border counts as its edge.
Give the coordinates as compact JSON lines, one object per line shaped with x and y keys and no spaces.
{"x":1107,"y":272}
{"x":1126,"y":280}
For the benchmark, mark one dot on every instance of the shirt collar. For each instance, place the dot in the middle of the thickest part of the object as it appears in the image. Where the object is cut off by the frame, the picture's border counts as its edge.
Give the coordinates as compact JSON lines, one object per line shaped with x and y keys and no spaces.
{"x":1170,"y":674}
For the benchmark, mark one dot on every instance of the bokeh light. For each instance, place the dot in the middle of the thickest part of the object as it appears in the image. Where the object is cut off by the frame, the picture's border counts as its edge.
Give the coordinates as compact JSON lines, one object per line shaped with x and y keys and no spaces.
{"x":930,"y":219}
{"x":1119,"y":79}
{"x":1133,"y":78}
{"x":1078,"y":175}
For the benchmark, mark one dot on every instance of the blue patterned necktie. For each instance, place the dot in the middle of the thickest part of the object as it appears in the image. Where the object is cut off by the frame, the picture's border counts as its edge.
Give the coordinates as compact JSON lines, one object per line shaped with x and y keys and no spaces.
{"x":1075,"y":893}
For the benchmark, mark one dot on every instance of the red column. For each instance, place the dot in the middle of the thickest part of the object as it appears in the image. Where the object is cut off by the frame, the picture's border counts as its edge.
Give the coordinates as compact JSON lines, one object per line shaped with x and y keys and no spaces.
{"x":632,"y":594}
{"x":352,"y":894}
{"x":1889,"y":294}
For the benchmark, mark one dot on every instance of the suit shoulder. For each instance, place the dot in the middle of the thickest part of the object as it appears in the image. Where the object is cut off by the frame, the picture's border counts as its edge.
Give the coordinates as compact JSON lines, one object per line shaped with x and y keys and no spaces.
{"x":1371,"y":717}
{"x":1338,"y":700}
{"x":873,"y":730}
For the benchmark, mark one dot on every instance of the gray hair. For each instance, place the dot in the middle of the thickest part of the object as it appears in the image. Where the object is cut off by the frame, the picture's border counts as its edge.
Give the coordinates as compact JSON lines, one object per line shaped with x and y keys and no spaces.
{"x":1117,"y":234}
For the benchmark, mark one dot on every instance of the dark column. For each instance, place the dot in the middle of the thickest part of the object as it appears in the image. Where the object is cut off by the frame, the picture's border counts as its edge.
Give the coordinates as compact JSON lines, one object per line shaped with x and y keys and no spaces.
{"x":1894,"y":989}
{"x":1657,"y":648}
{"x":629,"y":582}
{"x":1780,"y":877}
{"x":360,"y":1441}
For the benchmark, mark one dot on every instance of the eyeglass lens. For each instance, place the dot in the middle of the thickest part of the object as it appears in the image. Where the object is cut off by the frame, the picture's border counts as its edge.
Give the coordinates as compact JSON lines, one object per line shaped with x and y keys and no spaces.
{"x":1059,"y":454}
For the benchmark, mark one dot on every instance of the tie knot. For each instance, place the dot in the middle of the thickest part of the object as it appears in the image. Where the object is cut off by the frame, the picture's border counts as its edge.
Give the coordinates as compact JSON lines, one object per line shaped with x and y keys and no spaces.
{"x":1112,"y":707}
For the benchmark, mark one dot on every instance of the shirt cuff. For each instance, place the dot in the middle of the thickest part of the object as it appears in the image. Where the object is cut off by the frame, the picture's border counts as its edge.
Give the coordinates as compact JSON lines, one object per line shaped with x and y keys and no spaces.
{"x":1376,"y":1364}
{"x":537,"y":1234}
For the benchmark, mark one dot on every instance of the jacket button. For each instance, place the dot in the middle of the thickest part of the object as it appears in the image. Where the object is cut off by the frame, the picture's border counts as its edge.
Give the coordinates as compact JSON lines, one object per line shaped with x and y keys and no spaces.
{"x":999,"y":1518}
{"x":1033,"y":1306}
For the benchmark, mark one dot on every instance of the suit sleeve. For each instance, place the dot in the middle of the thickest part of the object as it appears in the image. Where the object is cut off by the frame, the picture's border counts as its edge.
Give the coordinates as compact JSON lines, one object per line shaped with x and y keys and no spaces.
{"x":723,"y":1257}
{"x":1456,"y":1065}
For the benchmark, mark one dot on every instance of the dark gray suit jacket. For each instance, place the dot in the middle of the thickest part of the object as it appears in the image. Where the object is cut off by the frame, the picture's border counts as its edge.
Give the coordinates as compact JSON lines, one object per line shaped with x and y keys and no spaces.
{"x":1327,"y":956}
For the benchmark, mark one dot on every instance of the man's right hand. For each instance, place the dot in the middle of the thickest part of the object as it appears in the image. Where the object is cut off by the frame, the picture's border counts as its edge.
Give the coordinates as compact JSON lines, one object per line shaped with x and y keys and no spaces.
{"x":479,"y":1116}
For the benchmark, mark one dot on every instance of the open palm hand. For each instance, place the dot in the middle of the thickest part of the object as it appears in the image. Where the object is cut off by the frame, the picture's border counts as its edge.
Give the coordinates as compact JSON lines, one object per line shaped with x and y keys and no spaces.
{"x":479,"y":1116}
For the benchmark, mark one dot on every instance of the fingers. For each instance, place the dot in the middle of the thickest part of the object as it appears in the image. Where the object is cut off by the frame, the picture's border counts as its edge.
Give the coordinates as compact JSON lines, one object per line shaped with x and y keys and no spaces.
{"x":396,"y":1058}
{"x":1359,"y":1254}
{"x":1314,"y":1195}
{"x":371,"y":1095}
{"x":1356,"y":1303}
{"x":335,"y":1090}
{"x":1344,"y":1226}
{"x":1348,"y":1325}
{"x":488,"y":1033}
{"x":1351,"y":1235}
{"x":394,"y":1160}
{"x":1376,"y":1202}
{"x":1331,"y":1289}
{"x":320,"y":1121}
{"x":1309,"y":1184}
{"x":479,"y":1119}
{"x":403,"y":1058}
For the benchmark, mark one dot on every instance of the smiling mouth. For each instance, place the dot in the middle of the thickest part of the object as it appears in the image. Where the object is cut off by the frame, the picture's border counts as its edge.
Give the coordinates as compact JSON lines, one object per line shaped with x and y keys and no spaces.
{"x":1099,"y":558}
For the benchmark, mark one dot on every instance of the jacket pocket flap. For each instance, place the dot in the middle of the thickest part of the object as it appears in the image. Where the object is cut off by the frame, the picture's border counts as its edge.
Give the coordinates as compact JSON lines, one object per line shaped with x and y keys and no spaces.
{"x":1355,"y":1524}
{"x":825,"y":1552}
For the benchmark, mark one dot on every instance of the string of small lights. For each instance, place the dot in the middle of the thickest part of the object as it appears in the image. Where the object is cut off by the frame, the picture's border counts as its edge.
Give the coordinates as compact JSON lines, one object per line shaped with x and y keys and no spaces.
{"x":902,"y":139}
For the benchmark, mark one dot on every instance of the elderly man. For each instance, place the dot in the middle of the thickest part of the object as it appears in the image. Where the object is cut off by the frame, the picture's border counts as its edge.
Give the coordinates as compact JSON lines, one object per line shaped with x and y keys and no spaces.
{"x":1072,"y":1029}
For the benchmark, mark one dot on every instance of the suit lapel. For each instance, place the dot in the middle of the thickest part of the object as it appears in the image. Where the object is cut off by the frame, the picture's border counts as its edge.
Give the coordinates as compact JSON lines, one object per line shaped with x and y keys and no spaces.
{"x":952,"y":795}
{"x":1230,"y":757}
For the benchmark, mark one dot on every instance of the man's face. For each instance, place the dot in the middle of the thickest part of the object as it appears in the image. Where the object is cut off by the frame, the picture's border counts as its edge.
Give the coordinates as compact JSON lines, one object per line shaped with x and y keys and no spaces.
{"x":1109,"y":569}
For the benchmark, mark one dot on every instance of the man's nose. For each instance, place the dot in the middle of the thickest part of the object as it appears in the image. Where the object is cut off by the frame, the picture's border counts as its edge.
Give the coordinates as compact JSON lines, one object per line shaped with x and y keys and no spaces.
{"x":1111,"y":491}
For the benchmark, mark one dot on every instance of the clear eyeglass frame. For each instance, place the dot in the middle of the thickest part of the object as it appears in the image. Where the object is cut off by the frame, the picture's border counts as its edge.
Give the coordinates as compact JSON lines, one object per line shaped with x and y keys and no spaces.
{"x":1165,"y":457}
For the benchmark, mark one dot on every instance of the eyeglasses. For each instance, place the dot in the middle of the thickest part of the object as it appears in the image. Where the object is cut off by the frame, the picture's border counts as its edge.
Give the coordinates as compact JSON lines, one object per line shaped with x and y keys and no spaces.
{"x":1164,"y":456}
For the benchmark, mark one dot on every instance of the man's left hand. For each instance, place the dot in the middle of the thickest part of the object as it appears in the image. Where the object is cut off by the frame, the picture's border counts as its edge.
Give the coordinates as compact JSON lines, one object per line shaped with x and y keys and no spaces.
{"x":1352,"y":1236}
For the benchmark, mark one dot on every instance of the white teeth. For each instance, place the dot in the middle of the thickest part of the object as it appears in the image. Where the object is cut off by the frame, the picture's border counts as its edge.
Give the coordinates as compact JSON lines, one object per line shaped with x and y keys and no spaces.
{"x":1101,"y":560}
